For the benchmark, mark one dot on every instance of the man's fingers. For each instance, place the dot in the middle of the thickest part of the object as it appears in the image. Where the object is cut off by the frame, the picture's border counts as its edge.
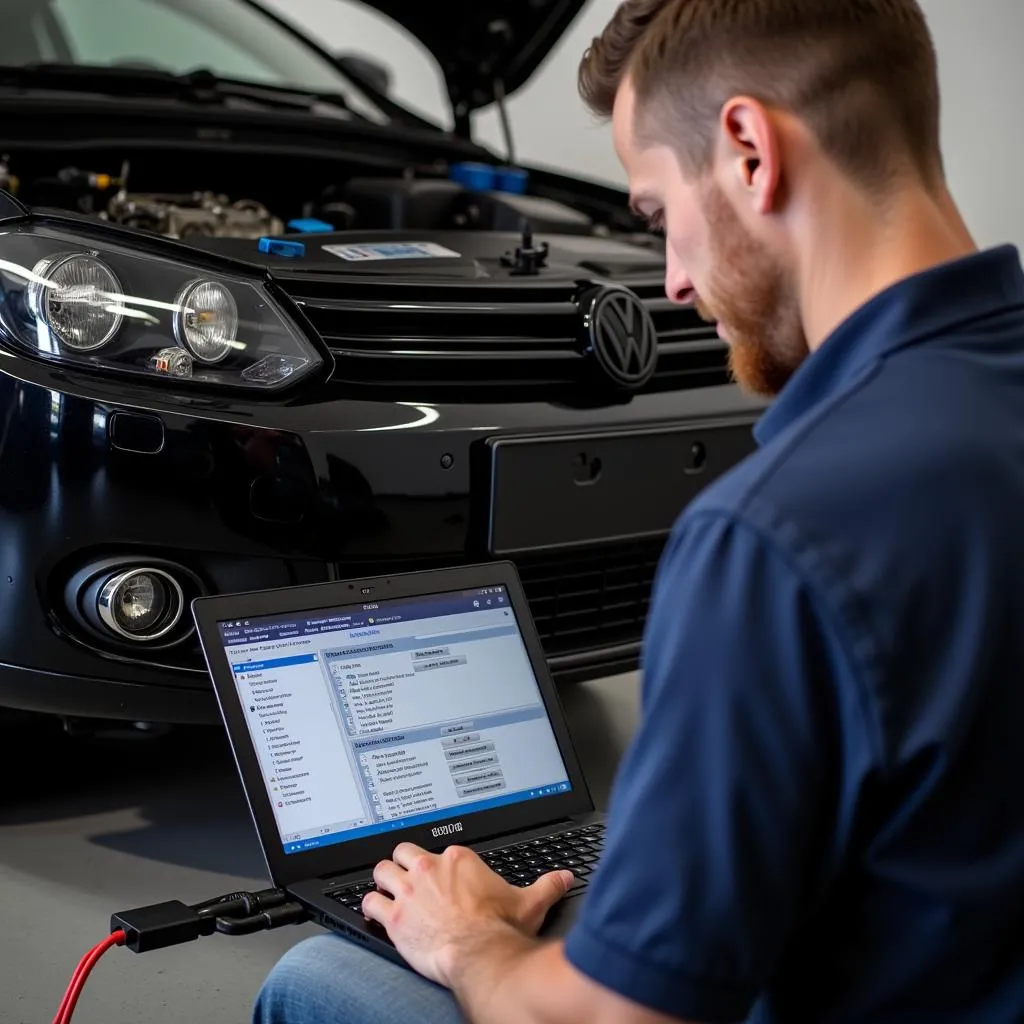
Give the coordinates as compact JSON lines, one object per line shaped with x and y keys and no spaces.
{"x":377,"y":907}
{"x":550,"y":888}
{"x":407,"y":854}
{"x":388,"y":877}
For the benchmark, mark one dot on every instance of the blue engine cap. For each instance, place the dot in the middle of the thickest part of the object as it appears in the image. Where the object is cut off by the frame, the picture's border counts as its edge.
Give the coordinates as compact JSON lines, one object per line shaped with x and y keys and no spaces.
{"x":279,"y":247}
{"x":309,"y":225}
{"x":512,"y":179}
{"x":478,"y":177}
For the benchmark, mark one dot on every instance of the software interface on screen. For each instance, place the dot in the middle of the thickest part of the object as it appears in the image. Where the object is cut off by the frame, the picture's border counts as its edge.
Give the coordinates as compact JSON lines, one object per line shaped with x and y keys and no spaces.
{"x":382,"y":715}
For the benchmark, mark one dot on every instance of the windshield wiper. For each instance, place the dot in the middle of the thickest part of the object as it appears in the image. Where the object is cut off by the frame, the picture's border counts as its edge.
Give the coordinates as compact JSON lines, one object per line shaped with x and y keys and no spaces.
{"x":204,"y":83}
{"x":200,"y":86}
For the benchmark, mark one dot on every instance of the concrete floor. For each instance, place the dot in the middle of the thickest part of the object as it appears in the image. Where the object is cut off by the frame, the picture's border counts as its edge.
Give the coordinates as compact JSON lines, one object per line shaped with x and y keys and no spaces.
{"x":90,"y":828}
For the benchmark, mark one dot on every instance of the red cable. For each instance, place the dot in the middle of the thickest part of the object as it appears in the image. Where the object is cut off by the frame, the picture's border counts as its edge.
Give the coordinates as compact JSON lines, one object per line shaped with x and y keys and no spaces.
{"x":82,"y":972}
{"x":78,"y":979}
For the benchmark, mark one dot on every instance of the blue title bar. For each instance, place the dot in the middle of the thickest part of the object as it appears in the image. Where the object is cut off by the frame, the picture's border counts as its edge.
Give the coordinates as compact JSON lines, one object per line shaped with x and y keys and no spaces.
{"x":334,"y":620}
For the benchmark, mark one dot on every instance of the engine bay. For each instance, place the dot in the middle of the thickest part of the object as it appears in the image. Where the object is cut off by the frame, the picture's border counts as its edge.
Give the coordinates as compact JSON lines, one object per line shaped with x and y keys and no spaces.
{"x":252,"y":202}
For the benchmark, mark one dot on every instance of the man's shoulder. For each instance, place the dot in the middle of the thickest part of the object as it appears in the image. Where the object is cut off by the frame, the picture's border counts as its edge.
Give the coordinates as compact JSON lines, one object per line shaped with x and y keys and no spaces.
{"x":890,"y":447}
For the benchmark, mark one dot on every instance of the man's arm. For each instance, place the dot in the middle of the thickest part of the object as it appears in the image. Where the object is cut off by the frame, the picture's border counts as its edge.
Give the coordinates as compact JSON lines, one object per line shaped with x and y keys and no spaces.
{"x":725,"y":821}
{"x":512,"y":979}
{"x":497,"y":971}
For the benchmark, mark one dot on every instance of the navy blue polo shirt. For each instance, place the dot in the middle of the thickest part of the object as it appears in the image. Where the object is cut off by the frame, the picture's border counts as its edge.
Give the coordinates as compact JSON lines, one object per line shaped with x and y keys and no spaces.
{"x":821,"y":816}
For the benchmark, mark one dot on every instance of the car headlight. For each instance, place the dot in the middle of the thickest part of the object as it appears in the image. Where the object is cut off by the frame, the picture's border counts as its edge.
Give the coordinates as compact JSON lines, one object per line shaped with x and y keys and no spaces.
{"x":82,"y":300}
{"x":63,"y":294}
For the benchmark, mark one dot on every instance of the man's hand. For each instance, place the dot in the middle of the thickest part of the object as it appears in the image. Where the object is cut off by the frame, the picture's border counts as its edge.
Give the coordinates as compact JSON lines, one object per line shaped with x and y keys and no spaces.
{"x":445,"y":903}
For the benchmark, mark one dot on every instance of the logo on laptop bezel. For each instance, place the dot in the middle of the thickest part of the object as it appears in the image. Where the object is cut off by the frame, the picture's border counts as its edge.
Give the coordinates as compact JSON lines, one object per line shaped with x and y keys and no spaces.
{"x":446,"y":830}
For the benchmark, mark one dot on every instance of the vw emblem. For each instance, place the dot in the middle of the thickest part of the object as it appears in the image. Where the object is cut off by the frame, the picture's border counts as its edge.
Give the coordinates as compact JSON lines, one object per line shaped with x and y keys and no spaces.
{"x":622,"y":336}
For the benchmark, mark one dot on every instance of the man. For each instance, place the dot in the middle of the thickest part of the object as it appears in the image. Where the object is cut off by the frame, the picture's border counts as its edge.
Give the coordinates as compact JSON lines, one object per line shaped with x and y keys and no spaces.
{"x":820,"y":817}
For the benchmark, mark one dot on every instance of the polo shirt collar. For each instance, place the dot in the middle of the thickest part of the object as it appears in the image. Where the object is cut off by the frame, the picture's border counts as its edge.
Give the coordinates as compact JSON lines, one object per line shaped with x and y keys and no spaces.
{"x":911,"y":311}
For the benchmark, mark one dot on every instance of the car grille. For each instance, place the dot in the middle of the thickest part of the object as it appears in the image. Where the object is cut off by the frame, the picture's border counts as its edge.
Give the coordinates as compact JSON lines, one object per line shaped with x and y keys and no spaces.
{"x":582,"y":600}
{"x":586,"y":600}
{"x":457,"y":340}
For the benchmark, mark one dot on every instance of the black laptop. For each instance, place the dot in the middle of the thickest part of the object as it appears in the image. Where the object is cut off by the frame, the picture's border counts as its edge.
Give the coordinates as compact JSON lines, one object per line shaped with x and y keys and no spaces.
{"x":417,"y":707}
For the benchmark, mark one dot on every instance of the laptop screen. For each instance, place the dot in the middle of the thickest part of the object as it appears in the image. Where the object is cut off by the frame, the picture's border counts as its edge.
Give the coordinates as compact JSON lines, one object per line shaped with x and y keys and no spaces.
{"x":374,"y":717}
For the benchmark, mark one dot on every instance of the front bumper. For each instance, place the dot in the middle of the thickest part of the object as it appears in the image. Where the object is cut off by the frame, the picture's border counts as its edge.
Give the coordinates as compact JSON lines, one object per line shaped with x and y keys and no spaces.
{"x":256,"y":496}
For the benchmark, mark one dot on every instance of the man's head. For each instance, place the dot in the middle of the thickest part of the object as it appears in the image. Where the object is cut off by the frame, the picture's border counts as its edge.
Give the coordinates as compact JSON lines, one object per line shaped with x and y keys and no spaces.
{"x":735,"y":119}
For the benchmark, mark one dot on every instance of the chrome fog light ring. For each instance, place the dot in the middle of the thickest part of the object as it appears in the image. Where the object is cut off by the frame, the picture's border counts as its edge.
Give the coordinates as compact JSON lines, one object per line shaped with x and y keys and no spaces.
{"x":117,"y":587}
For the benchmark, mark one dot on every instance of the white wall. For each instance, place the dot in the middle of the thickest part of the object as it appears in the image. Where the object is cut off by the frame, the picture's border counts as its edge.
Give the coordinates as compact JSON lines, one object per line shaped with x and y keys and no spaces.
{"x":979,"y":43}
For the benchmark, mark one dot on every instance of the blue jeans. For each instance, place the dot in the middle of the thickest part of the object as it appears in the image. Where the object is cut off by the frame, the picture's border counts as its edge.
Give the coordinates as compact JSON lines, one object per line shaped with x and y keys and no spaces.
{"x":331,"y":980}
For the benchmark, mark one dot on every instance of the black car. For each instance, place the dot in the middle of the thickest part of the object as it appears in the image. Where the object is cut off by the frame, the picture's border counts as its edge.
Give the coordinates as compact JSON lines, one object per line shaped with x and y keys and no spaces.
{"x":265,"y":327}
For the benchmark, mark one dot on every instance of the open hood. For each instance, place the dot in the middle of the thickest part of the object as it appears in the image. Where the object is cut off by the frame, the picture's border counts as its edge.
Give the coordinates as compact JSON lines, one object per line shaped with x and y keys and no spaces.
{"x":485,"y":47}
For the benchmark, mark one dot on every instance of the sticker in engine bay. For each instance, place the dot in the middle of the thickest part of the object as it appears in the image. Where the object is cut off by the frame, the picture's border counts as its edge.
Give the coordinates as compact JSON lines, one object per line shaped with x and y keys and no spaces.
{"x":392,"y":251}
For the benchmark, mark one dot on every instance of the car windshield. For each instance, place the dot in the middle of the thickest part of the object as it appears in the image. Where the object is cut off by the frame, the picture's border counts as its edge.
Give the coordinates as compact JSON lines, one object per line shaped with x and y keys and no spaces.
{"x":232,"y":39}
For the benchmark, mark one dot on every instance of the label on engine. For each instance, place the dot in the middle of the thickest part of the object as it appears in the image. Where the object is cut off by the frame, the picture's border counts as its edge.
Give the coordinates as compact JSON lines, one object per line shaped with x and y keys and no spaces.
{"x":391,"y":251}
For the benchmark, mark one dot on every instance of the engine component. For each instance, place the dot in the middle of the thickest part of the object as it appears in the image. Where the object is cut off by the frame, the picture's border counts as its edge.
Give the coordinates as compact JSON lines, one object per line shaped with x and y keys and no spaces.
{"x":8,"y":182}
{"x":202,"y":214}
{"x":91,"y":181}
{"x":528,"y":259}
{"x":425,"y":204}
{"x":403,"y":204}
{"x":504,"y":211}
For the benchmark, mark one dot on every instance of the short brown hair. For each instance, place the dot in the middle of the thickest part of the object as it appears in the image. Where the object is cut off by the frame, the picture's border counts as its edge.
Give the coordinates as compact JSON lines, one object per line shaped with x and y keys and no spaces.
{"x":862,"y":74}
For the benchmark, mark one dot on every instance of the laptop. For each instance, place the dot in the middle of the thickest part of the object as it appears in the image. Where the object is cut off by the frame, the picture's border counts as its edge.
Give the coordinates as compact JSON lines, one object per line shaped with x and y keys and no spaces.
{"x":415,"y":707}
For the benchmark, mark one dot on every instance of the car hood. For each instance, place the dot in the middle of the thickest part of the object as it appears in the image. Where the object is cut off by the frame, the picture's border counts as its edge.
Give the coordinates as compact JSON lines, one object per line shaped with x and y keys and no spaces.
{"x":484,"y":47}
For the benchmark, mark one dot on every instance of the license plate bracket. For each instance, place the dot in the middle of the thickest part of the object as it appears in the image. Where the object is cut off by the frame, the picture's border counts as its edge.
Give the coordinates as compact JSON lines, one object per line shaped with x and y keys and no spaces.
{"x":568,"y":490}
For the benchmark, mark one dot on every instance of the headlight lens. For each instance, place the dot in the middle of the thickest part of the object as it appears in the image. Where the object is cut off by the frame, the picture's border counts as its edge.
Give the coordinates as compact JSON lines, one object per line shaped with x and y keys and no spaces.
{"x":68,"y":295}
{"x":97,"y":303}
{"x":208,"y":320}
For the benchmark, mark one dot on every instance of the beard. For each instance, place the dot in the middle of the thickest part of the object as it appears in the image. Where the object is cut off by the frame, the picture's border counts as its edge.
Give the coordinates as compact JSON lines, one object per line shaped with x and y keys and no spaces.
{"x":754,"y":300}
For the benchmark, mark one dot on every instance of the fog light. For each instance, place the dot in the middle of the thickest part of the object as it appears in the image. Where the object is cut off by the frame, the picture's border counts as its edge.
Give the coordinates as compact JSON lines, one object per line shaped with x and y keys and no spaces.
{"x":141,"y":604}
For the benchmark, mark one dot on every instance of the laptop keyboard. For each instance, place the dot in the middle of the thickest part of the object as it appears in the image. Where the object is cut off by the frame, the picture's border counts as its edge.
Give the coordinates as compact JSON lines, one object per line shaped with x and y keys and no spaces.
{"x":577,"y":850}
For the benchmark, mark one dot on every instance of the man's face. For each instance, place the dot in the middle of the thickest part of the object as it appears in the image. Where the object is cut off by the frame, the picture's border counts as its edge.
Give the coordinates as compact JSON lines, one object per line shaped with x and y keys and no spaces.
{"x":715,"y":261}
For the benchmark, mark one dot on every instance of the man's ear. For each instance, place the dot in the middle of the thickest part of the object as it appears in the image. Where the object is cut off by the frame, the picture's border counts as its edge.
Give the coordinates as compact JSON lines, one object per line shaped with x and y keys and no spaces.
{"x":751,"y":154}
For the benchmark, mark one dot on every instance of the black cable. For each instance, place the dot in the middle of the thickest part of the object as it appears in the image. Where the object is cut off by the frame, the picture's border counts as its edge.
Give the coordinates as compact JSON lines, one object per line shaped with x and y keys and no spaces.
{"x":238,"y":904}
{"x":236,"y":913}
{"x":275,"y":917}
{"x":219,"y":899}
{"x":169,"y":924}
